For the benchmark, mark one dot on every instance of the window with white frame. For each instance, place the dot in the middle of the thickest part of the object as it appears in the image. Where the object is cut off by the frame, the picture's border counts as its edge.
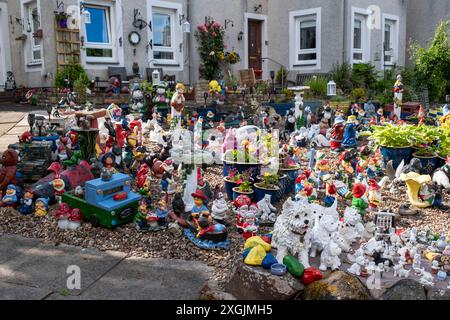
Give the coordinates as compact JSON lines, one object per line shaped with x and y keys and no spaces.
{"x":360,"y":38}
{"x":390,"y":37}
{"x":165,"y":33}
{"x":98,"y":32}
{"x":33,"y":24}
{"x":305,"y":27}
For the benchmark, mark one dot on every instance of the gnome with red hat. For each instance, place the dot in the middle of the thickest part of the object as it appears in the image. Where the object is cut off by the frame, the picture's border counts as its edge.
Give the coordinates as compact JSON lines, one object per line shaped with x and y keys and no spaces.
{"x":199,"y":207}
{"x":374,"y":194}
{"x":358,"y":203}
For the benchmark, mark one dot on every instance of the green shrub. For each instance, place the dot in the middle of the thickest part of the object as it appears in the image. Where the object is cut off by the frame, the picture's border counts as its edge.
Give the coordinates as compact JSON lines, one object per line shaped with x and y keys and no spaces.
{"x":342,"y":75}
{"x":364,"y":75}
{"x":71,"y":72}
{"x":80,"y":87}
{"x":358,"y":93}
{"x":318,"y":86}
{"x":281,"y":75}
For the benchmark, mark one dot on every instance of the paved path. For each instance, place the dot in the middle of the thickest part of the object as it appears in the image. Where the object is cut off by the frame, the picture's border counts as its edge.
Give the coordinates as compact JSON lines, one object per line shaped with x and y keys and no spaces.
{"x":31,"y":269}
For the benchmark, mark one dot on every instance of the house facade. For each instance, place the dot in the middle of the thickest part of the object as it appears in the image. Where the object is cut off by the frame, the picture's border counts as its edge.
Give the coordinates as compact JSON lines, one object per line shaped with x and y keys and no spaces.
{"x":304,"y":36}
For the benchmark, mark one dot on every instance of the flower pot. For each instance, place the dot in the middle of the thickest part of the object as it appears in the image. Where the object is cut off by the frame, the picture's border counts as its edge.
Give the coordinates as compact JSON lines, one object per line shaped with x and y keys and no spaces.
{"x":428,"y":163}
{"x":440,"y":161}
{"x":241,"y":167}
{"x":260,"y":193}
{"x":292,"y":174}
{"x":229,"y":185}
{"x":237,"y":193}
{"x":284,"y":181}
{"x":396,"y":154}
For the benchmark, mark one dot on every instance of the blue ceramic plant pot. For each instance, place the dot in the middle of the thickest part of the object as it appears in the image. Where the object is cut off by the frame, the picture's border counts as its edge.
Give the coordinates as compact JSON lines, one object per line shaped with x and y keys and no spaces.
{"x":241,"y":167}
{"x":237,"y":193}
{"x":291,"y":177}
{"x":229,"y":185}
{"x":428,"y":163}
{"x":284,"y":181}
{"x":261,"y":192}
{"x":397,"y":155}
{"x":440,"y":162}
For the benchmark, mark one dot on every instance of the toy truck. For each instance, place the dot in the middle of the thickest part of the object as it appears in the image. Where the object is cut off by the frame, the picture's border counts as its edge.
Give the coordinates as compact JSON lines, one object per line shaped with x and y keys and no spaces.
{"x":106,"y":203}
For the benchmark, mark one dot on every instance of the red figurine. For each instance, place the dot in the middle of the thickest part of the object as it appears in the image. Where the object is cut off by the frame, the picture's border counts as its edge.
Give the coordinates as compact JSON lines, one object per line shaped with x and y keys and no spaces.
{"x":9,"y":161}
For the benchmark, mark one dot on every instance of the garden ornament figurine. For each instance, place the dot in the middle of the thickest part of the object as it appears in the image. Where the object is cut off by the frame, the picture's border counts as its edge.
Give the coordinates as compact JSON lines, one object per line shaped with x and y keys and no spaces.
{"x":41,"y":207}
{"x":267,"y":210}
{"x":337,"y":134}
{"x":140,"y":219}
{"x":249,"y":227}
{"x":323,"y":228}
{"x":330,"y":256}
{"x":26,"y":203}
{"x":420,"y":192}
{"x":9,"y":161}
{"x":162,"y":213}
{"x":374,"y":194}
{"x":358,"y":203}
{"x":398,"y":96}
{"x":356,"y":267}
{"x":75,"y":218}
{"x":291,"y":234}
{"x":62,"y":214}
{"x":219,"y":208}
{"x":349,"y":140}
{"x":177,"y":104}
{"x":58,"y":187}
{"x":10,"y":198}
{"x":442,"y":176}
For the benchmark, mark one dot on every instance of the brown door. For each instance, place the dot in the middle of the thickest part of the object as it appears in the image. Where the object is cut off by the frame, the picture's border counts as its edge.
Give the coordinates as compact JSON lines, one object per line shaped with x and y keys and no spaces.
{"x":255,"y":47}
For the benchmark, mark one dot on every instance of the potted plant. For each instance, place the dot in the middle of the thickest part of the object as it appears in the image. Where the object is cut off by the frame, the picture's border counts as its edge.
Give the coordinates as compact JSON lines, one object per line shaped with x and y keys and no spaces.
{"x":428,"y":158}
{"x":244,"y":188}
{"x":270,"y":184}
{"x":235,"y":179}
{"x":395,"y":142}
{"x":61,"y":19}
{"x":288,"y":168}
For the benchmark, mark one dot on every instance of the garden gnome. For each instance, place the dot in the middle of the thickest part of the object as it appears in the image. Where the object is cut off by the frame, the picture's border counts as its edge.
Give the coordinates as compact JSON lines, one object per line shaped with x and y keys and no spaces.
{"x":374,"y":194}
{"x":249,"y":227}
{"x":177,"y":104}
{"x":10,"y":198}
{"x":398,"y":96}
{"x":74,"y":219}
{"x":26,"y":203}
{"x":199,"y":200}
{"x":359,"y":190}
{"x":41,"y":207}
{"x":219,"y":208}
{"x":140,"y":219}
{"x":59,"y":187}
{"x":337,"y":134}
{"x":349,"y":140}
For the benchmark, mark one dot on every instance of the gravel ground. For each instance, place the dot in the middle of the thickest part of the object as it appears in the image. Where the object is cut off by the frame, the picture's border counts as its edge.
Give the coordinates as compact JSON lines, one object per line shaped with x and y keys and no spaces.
{"x":166,"y":245}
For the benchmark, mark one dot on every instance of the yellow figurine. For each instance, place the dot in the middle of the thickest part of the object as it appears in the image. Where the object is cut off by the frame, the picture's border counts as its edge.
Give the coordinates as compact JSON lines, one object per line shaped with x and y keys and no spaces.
{"x":41,"y":207}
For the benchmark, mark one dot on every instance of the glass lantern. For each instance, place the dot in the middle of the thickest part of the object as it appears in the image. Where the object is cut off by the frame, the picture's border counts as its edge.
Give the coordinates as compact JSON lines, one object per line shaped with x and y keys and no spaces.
{"x":331,"y":88}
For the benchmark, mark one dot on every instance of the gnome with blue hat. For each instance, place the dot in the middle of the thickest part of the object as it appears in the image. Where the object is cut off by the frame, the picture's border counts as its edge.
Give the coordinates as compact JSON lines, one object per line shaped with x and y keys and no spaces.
{"x":10,"y":197}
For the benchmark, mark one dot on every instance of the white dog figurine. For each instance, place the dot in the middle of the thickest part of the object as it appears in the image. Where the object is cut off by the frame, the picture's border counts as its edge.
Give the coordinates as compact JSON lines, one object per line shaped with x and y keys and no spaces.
{"x":324,"y":227}
{"x":291,"y":234}
{"x":330,"y":256}
{"x":356,"y":267}
{"x":267,"y":210}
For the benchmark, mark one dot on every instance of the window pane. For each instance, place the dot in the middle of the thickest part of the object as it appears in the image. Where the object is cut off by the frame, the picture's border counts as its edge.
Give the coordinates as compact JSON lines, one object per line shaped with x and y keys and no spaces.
{"x":159,"y":55}
{"x":308,"y":34}
{"x":387,"y":37}
{"x":100,"y":53}
{"x":35,"y":26}
{"x":98,"y":30}
{"x":307,"y":56}
{"x":37,"y":55}
{"x":357,"y":56}
{"x":357,"y":35}
{"x":161,"y":30}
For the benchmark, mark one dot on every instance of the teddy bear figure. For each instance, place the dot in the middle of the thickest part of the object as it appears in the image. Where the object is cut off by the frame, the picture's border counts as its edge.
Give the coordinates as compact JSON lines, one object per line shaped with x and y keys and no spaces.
{"x":9,"y":161}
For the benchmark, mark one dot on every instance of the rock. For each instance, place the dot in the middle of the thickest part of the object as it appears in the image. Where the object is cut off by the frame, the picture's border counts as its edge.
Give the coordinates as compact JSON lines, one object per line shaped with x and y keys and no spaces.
{"x":405,"y":289}
{"x":211,"y":291}
{"x":255,"y":283}
{"x":338,"y":285}
{"x":293,"y":266}
{"x":437,"y":294}
{"x":268,"y":261}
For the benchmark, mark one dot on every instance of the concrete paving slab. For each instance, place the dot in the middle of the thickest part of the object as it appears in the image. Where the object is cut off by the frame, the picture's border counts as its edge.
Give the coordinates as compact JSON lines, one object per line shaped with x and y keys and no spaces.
{"x":17,"y":131}
{"x":6,"y":140}
{"x":11,"y":116}
{"x":150,"y":279}
{"x":5,"y":127}
{"x":10,"y":291}
{"x":45,"y":266}
{"x":12,"y":246}
{"x":23,"y":122}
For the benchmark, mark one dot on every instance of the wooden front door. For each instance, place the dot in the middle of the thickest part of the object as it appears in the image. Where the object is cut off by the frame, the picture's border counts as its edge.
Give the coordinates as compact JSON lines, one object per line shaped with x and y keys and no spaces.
{"x":255,"y":47}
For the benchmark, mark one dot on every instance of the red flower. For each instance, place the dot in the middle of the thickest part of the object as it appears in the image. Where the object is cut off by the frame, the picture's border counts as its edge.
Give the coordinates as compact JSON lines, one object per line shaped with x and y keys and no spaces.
{"x":214,"y":34}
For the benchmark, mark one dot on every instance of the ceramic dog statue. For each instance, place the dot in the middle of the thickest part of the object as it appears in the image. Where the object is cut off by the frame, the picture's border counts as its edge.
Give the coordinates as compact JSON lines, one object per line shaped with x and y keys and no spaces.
{"x":267,"y":210}
{"x":291,"y":234}
{"x":330,"y":256}
{"x":324,"y":227}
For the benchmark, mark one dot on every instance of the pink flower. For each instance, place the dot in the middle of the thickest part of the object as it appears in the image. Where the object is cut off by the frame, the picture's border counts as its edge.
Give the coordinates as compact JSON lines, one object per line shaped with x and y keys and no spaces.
{"x":216,"y":25}
{"x":202,"y":28}
{"x":214,"y":34}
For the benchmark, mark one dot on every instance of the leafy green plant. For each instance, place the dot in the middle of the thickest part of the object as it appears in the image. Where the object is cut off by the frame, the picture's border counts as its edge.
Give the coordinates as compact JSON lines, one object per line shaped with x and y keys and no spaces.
{"x":358,"y":93}
{"x":394,"y":136}
{"x":245,"y":186}
{"x":269,"y":181}
{"x":210,"y":39}
{"x":289,"y":94}
{"x":262,"y":88}
{"x":318,"y":86}
{"x":342,"y":75}
{"x":71,"y":72}
{"x":231,"y":80}
{"x":364,"y":75}
{"x":281,"y":75}
{"x":433,"y":62}
{"x":146,"y":86}
{"x":80,"y":87}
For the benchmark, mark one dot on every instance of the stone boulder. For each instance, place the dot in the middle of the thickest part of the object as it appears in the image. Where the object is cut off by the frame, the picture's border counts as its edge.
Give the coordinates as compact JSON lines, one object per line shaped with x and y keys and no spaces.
{"x":438,"y":294}
{"x":211,"y":291}
{"x":338,"y":285}
{"x":405,"y":289}
{"x":256,"y":283}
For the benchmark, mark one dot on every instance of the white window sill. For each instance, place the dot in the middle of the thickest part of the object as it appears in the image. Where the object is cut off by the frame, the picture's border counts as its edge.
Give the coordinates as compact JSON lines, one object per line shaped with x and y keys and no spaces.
{"x":305,"y":64}
{"x":34,"y":64}
{"x":103,"y":62}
